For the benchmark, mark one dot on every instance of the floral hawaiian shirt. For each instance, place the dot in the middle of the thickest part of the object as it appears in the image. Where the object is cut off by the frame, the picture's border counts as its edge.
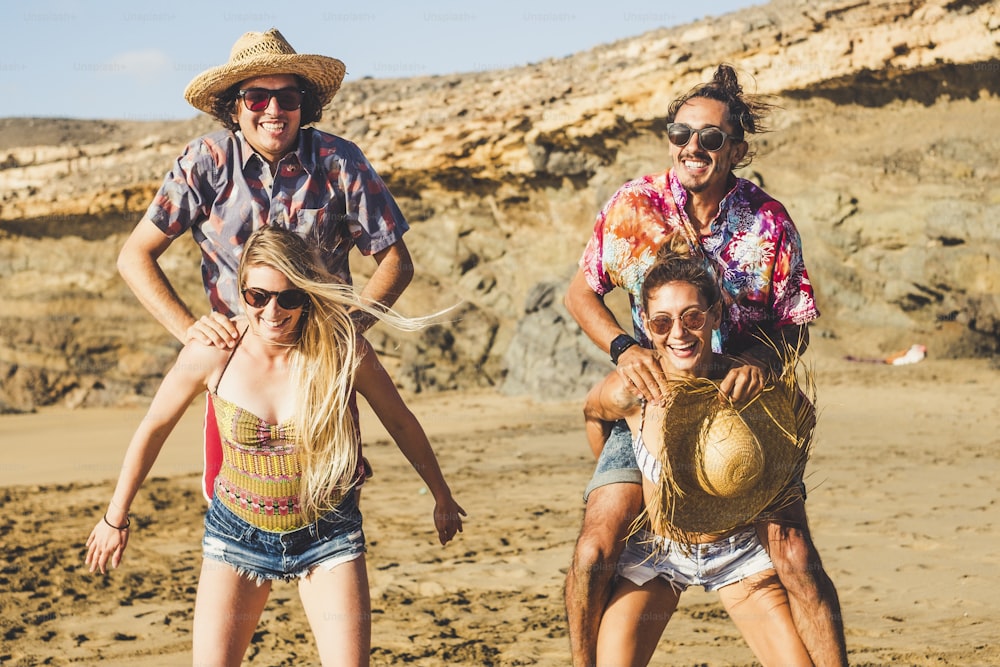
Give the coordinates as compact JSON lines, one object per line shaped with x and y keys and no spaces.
{"x":753,"y":245}
{"x":223,"y":191}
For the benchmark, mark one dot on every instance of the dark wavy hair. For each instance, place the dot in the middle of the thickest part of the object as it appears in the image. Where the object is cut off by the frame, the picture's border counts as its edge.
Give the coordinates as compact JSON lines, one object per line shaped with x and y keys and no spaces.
{"x":745,"y":112}
{"x":224,"y":107}
{"x":677,"y":261}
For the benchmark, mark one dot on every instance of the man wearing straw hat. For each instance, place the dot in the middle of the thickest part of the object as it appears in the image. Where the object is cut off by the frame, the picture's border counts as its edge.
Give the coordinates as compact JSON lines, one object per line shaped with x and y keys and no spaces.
{"x":768,"y":297}
{"x":266,"y":168}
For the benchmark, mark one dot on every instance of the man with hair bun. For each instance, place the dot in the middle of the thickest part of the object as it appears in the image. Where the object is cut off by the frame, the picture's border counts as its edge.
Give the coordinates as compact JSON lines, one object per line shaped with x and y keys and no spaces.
{"x":755,"y":249}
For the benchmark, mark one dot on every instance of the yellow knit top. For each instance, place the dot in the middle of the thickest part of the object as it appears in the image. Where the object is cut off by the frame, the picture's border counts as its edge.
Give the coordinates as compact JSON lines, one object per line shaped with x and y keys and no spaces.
{"x":261,"y":473}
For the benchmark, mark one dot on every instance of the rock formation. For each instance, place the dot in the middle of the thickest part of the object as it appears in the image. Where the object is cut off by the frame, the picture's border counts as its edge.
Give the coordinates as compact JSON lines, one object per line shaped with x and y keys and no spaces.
{"x":881,"y":150}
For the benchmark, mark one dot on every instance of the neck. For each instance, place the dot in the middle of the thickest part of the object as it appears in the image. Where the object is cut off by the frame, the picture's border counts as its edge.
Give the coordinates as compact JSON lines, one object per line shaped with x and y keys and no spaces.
{"x":702,"y":207}
{"x":276,"y":351}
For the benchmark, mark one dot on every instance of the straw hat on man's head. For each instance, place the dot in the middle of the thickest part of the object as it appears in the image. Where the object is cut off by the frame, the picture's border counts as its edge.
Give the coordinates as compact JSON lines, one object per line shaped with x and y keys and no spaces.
{"x":264,"y":54}
{"x":722,"y":466}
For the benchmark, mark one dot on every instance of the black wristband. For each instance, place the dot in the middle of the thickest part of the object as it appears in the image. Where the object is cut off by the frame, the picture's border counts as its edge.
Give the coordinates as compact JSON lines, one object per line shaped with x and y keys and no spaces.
{"x":128,"y":522}
{"x":619,"y":345}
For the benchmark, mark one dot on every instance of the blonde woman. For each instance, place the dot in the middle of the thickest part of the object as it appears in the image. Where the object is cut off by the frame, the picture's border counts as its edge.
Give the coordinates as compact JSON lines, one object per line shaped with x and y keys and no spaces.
{"x":284,"y":505}
{"x":698,"y":525}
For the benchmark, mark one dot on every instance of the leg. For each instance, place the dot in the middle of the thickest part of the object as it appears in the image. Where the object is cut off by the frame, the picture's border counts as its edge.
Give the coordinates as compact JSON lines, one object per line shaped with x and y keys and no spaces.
{"x":610,"y":510}
{"x":338,"y":607}
{"x":633,"y":622}
{"x":226,"y":611}
{"x":812,"y":596}
{"x":759,"y":607}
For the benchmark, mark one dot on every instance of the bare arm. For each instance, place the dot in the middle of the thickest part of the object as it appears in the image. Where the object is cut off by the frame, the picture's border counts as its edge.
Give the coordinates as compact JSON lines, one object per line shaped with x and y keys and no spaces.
{"x":638,"y":366}
{"x":377,"y":387}
{"x":187,"y":378}
{"x":608,"y":401}
{"x":394,"y":272}
{"x":138,"y":264}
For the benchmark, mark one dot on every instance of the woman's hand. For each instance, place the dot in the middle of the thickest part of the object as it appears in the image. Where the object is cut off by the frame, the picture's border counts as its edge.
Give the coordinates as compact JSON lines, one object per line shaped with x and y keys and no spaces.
{"x":106,"y":543}
{"x":447,"y":519}
{"x":743,"y":383}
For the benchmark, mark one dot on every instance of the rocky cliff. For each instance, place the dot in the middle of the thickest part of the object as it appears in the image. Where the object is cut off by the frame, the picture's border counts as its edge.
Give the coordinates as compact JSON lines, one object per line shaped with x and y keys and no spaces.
{"x":882,"y":149}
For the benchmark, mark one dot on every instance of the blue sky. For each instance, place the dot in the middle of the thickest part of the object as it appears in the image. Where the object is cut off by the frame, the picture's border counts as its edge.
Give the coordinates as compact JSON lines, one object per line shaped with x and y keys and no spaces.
{"x":132,"y":59}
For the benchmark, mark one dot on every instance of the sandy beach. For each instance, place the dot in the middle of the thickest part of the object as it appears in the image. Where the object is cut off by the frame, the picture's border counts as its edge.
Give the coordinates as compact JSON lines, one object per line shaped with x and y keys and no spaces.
{"x":903,"y":503}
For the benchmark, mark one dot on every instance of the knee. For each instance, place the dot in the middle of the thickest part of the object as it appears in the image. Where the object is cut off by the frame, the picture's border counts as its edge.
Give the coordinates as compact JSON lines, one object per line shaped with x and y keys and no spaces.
{"x":796,"y":561}
{"x":597,"y":550}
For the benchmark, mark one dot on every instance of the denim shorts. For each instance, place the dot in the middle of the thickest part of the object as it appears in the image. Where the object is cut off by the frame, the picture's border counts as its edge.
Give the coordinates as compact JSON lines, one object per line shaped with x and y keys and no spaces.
{"x":616,"y":463}
{"x":263,"y":555}
{"x":711,"y":565}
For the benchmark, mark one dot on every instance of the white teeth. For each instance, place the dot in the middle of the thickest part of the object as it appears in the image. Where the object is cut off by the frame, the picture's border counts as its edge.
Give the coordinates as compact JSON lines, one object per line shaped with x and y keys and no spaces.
{"x":694,"y":164}
{"x":273,"y":127}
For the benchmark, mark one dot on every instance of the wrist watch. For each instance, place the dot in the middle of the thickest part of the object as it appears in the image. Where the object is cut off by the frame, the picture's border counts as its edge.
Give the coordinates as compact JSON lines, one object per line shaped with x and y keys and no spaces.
{"x":619,"y":345}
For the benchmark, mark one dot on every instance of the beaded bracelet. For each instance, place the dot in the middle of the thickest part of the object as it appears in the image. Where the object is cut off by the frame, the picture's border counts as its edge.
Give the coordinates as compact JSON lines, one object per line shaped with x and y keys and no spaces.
{"x":128,"y":522}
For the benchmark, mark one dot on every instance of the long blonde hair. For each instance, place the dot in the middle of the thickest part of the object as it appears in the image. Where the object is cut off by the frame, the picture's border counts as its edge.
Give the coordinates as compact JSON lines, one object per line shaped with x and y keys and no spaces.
{"x":324,"y":362}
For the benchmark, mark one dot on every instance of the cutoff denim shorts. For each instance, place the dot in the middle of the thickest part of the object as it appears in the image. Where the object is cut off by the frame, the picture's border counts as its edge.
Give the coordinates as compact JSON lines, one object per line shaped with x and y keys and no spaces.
{"x":616,"y":463}
{"x":711,"y":565}
{"x":263,"y":555}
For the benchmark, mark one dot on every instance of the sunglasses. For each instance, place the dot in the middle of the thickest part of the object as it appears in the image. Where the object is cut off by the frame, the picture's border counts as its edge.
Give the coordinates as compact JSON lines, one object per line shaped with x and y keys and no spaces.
{"x":289,"y":299}
{"x":692,"y":320}
{"x":257,"y":99}
{"x":710,"y":137}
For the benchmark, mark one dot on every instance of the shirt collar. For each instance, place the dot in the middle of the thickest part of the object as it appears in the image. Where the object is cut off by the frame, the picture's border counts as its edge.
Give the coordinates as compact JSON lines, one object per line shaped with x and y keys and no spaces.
{"x":301,"y":156}
{"x":681,"y":195}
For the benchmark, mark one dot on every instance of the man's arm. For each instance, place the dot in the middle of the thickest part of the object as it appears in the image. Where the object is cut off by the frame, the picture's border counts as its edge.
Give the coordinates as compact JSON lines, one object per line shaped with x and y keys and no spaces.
{"x":138,"y":264}
{"x":772,"y":354}
{"x":393,"y":274}
{"x":638,"y":366}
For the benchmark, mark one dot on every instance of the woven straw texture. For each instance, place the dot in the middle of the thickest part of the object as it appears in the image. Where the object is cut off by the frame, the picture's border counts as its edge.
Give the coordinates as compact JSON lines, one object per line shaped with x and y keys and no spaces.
{"x":265,"y":54}
{"x":722,"y":466}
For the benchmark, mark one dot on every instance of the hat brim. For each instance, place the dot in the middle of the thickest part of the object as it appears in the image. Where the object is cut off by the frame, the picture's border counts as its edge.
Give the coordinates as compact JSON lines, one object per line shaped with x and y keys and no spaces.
{"x":683,"y":506}
{"x":325,"y":73}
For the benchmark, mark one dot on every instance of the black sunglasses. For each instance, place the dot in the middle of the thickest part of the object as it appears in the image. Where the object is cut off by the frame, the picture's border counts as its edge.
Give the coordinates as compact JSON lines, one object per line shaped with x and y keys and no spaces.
{"x":257,"y":99}
{"x":692,"y":320}
{"x":289,"y":299}
{"x":710,"y":137}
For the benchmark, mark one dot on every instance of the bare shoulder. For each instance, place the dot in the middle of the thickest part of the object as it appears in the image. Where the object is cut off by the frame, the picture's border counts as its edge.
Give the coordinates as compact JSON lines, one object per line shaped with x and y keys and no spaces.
{"x":202,"y":362}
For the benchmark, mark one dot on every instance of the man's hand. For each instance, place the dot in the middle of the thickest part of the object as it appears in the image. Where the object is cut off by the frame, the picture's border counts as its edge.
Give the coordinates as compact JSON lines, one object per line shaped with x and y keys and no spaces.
{"x":640,"y":368}
{"x":214,"y":329}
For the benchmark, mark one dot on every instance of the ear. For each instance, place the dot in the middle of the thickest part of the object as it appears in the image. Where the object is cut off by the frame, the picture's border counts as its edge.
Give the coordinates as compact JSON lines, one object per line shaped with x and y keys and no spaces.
{"x":740,"y":151}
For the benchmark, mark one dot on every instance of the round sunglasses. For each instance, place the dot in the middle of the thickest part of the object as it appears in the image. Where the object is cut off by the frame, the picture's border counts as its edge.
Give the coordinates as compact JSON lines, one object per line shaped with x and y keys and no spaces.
{"x":692,"y":320}
{"x":257,"y":99}
{"x":289,"y":299}
{"x":710,"y":137}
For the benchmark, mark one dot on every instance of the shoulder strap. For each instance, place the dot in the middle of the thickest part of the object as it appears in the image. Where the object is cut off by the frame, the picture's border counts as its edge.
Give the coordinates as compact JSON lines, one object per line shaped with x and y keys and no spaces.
{"x":229,"y":359}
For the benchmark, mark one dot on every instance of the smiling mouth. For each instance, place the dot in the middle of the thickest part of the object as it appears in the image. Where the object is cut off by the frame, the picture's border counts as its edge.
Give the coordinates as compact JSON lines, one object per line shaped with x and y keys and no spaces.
{"x":275,"y":324}
{"x":695,"y":163}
